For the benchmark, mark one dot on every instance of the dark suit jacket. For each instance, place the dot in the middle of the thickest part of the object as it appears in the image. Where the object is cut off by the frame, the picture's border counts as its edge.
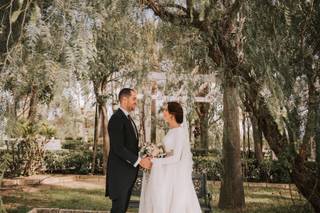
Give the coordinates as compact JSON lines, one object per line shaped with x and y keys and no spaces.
{"x":121,"y":173}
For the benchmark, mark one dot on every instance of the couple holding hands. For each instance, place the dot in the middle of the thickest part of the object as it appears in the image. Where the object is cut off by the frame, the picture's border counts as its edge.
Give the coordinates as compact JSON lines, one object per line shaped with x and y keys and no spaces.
{"x":168,"y":186}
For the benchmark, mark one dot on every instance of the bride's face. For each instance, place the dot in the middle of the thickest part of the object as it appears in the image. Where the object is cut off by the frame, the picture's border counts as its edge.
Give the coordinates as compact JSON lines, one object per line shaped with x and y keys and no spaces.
{"x":166,"y":115}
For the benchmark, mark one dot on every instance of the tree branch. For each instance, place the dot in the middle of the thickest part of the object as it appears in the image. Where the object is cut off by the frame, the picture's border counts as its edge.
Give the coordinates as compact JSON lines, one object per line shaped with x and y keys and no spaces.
{"x":208,"y":9}
{"x":186,"y":19}
{"x":230,"y":15}
{"x":177,"y":6}
{"x":257,"y":105}
{"x":234,"y":9}
{"x":189,"y":5}
{"x":211,"y":121}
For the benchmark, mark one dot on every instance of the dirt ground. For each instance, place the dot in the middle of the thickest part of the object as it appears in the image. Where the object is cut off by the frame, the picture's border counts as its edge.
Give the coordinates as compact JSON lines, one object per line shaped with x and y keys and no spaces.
{"x":68,"y":181}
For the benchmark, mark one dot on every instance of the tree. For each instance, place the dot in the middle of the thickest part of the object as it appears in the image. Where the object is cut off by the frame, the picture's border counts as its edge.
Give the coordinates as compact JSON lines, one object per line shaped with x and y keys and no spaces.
{"x":286,"y":62}
{"x":257,"y":139}
{"x":221,"y":28}
{"x":31,"y":73}
{"x":105,"y":49}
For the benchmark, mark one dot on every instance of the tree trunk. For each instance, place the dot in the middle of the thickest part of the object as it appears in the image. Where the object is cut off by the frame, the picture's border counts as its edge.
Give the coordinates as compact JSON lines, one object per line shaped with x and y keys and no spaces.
{"x":243,"y":134}
{"x":105,"y":136}
{"x":204,"y":126}
{"x":293,"y":124}
{"x":95,"y":138}
{"x":304,"y":178}
{"x":231,"y":192}
{"x":142,"y":128}
{"x":318,"y":141}
{"x":203,"y":114}
{"x":154,"y":114}
{"x":204,"y":135}
{"x":257,"y":139}
{"x":311,"y":125}
{"x":307,"y":181}
{"x":33,"y":104}
{"x":248,"y":136}
{"x":15,"y":107}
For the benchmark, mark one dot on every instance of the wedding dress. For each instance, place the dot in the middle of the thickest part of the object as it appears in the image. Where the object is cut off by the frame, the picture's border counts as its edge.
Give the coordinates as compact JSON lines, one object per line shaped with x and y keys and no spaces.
{"x":168,"y":187}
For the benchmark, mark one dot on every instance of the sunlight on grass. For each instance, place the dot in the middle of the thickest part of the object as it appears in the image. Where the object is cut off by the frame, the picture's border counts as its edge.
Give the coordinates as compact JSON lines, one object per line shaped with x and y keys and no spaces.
{"x":258,"y":200}
{"x":267,"y":200}
{"x":56,"y":198}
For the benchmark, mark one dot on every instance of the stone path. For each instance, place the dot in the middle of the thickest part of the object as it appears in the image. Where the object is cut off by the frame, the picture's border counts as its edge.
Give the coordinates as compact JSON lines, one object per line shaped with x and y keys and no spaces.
{"x":69,"y":181}
{"x":96,"y":182}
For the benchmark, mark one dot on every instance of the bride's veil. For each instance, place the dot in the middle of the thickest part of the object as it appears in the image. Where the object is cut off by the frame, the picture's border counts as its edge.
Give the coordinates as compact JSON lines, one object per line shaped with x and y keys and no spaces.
{"x":185,"y":127}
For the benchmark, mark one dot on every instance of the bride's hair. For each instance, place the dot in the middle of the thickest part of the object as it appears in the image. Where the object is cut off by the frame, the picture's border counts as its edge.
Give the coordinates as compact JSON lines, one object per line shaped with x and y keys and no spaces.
{"x":175,"y":109}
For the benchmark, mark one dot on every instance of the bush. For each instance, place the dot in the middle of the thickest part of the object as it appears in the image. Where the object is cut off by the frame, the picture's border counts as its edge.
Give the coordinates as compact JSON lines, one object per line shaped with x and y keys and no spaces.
{"x":208,"y":165}
{"x":267,"y":171}
{"x":205,"y":152}
{"x":72,"y":144}
{"x":80,"y":161}
{"x":278,"y":173}
{"x":72,"y":161}
{"x":55,"y":161}
{"x":68,"y":138}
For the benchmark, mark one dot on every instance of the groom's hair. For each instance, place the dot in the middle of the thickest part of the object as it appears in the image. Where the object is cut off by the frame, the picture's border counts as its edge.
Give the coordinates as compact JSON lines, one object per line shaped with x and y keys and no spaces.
{"x":125,"y":92}
{"x":175,"y":109}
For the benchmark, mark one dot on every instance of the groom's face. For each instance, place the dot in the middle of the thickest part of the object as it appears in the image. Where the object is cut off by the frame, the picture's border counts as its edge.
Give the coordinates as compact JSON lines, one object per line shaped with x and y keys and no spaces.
{"x":131,"y":101}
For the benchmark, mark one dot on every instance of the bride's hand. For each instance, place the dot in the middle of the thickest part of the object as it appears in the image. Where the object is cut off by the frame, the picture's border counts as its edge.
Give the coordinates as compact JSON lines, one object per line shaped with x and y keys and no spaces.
{"x":146,"y":163}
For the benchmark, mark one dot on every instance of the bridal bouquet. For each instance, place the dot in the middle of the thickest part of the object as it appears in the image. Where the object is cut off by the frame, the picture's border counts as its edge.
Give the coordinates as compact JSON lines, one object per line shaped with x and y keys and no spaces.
{"x":152,"y":150}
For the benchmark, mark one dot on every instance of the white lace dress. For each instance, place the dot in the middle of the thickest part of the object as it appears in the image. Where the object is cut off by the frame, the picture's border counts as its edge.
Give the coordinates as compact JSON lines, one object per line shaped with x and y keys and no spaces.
{"x":168,"y":188}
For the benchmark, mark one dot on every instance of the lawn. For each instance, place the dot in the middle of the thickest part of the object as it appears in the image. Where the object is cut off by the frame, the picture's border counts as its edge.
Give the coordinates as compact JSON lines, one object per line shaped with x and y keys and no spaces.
{"x":268,"y":199}
{"x":21,"y":201}
{"x":262,"y":199}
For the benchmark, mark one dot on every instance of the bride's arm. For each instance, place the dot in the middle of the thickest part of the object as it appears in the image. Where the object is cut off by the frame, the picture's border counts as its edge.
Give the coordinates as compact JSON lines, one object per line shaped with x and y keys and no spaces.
{"x":174,"y":158}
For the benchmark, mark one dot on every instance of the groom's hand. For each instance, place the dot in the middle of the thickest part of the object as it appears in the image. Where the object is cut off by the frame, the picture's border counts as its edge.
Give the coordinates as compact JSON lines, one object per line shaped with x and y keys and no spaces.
{"x":146,"y":163}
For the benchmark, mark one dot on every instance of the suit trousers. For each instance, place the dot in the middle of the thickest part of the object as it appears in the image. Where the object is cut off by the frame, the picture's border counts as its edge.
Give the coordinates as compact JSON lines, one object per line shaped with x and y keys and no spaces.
{"x":121,"y":203}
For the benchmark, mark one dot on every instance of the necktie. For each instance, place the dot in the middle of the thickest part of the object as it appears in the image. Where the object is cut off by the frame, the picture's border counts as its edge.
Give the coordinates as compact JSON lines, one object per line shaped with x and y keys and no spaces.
{"x":133,"y":125}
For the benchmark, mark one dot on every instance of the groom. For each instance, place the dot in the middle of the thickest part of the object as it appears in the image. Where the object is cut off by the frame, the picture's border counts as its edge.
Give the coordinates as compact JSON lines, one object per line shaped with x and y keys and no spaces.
{"x":123,"y":163}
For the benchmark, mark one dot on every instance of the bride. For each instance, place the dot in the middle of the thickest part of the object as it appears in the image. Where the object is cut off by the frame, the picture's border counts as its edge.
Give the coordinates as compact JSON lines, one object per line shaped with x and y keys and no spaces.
{"x":168,"y":188}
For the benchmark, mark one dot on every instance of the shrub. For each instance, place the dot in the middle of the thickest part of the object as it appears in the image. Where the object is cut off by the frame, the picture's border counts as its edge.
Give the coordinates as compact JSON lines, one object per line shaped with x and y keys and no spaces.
{"x":209,"y":165}
{"x":267,"y":171}
{"x":27,"y":150}
{"x":72,"y":161}
{"x":55,"y":161}
{"x":80,"y":161}
{"x":72,"y":144}
{"x":278,"y":173}
{"x":68,"y":138}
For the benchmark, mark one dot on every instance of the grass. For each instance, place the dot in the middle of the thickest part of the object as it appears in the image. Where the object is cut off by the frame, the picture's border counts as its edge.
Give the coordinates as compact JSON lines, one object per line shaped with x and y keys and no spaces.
{"x":267,"y":199}
{"x":55,"y":197}
{"x":258,"y":199}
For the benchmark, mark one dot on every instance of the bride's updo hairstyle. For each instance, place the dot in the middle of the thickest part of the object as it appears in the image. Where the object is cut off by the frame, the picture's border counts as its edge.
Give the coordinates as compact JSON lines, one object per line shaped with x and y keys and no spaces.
{"x":175,"y":109}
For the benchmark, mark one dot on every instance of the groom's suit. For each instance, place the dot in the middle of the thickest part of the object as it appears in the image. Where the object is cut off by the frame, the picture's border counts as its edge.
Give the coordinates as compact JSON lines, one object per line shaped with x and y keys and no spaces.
{"x":122,"y":162}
